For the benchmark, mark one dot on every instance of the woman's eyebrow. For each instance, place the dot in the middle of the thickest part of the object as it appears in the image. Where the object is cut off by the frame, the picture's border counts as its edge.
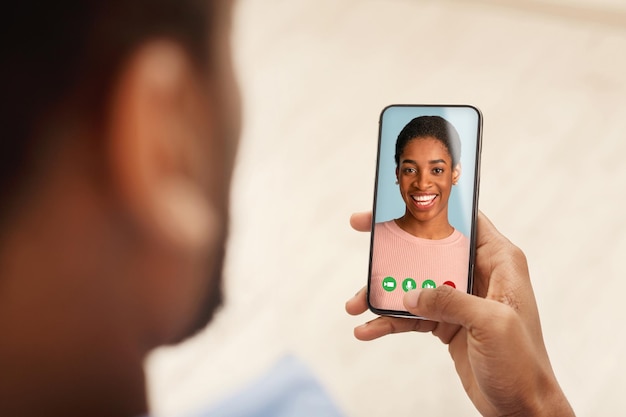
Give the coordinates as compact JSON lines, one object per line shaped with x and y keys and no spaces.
{"x":431,"y":162}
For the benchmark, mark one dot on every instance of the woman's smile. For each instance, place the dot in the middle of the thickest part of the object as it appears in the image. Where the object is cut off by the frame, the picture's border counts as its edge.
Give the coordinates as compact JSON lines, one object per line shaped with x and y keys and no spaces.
{"x":424,"y":201}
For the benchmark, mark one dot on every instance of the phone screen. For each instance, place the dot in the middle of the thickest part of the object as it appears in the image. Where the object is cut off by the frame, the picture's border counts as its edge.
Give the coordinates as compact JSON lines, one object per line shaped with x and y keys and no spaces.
{"x":425,"y":202}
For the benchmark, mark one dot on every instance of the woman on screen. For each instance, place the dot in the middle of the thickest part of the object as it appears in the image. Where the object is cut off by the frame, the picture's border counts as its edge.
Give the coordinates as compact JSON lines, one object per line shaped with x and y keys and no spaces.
{"x":421,"y":248}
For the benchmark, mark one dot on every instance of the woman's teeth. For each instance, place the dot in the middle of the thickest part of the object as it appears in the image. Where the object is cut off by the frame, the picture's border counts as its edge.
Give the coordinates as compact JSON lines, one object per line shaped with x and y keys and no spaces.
{"x":424,"y":200}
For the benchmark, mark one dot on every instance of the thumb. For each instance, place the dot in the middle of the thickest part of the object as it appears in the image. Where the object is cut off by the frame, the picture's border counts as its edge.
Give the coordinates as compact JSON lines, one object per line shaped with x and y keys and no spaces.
{"x":448,"y":305}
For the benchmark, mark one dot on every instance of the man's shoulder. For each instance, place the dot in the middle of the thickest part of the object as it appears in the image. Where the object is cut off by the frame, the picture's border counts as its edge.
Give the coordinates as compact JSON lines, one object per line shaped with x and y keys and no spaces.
{"x":287,"y":389}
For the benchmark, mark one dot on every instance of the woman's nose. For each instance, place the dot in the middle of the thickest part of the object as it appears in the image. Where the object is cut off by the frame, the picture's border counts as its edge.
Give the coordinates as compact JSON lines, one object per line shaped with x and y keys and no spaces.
{"x":422,"y":181}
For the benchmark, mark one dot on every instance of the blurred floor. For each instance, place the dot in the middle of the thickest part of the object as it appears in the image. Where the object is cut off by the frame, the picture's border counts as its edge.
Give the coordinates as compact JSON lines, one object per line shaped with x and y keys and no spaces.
{"x":550,"y":79}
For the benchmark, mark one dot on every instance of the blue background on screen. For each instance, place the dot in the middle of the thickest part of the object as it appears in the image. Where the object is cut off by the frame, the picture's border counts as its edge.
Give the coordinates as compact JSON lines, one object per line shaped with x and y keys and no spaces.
{"x":389,"y":203}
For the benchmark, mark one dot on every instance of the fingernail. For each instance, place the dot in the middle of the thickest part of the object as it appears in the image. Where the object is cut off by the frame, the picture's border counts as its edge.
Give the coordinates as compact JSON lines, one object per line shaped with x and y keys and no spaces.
{"x":411,"y":298}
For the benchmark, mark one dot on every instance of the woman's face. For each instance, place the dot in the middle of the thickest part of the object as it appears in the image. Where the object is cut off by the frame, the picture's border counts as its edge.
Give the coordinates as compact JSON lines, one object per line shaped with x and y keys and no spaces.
{"x":426,"y":175}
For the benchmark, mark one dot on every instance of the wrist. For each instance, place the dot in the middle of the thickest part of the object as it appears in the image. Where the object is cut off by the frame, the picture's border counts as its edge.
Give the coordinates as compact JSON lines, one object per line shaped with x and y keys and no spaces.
{"x":549,"y":400}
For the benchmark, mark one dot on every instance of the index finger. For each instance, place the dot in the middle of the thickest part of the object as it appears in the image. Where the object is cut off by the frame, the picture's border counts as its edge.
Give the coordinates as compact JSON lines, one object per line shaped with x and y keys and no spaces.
{"x":357,"y":304}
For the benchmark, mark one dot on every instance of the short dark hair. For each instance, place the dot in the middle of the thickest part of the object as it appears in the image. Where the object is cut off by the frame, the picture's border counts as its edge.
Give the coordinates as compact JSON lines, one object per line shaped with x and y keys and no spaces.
{"x":430,"y":126}
{"x":55,"y":52}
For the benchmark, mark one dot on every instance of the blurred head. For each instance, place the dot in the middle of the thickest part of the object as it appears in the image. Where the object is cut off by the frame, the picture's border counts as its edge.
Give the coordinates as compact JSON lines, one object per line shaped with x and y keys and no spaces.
{"x":427,"y":166}
{"x":120,"y":124}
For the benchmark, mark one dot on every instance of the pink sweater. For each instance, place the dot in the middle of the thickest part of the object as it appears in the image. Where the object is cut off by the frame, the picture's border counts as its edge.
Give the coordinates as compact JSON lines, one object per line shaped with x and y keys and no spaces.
{"x":398,"y":255}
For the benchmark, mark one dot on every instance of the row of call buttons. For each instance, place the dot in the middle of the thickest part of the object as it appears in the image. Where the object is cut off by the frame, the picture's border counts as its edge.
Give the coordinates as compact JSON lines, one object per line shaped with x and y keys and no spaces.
{"x":408,"y":284}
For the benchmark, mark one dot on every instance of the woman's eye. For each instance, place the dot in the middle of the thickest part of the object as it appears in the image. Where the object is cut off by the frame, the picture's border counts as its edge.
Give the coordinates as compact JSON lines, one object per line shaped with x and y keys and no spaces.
{"x":438,"y":171}
{"x":409,"y":170}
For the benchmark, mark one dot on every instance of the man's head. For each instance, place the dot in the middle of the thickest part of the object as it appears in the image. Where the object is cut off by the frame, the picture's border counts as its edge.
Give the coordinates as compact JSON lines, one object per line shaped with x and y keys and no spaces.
{"x":120,"y":122}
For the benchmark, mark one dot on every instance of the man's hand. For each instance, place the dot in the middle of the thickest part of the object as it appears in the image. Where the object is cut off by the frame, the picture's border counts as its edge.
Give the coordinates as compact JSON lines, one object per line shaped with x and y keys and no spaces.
{"x":494,"y":336}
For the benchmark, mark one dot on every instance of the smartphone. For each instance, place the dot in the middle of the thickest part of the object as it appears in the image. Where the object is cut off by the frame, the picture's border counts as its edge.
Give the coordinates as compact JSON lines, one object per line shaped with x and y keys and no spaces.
{"x":425,"y":202}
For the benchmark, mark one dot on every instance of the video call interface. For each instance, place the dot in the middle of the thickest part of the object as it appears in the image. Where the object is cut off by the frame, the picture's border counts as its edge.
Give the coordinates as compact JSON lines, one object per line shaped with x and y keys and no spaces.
{"x":425,"y":202}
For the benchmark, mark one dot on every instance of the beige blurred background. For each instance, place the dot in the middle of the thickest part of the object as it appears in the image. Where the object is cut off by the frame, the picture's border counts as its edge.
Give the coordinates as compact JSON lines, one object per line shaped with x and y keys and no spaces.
{"x":550,"y":79}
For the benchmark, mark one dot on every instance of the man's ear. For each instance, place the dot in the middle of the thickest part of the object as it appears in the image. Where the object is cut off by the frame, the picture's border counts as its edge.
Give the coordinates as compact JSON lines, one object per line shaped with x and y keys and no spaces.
{"x":155,"y":138}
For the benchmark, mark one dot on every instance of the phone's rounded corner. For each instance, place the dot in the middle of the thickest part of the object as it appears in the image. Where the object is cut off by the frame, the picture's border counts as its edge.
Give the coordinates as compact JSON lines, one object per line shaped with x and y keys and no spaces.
{"x":476,"y":109}
{"x":374,"y":310}
{"x":472,"y":107}
{"x":370,"y":306}
{"x":384,"y":110}
{"x":367,"y":300}
{"x":391,"y":313}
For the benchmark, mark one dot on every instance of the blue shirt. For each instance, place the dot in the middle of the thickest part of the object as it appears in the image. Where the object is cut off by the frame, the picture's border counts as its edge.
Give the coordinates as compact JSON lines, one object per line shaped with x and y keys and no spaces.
{"x":288,"y":389}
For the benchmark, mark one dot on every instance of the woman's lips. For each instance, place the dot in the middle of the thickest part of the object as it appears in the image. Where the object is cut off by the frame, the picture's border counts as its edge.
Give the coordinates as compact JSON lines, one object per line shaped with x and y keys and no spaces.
{"x":424,"y":201}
